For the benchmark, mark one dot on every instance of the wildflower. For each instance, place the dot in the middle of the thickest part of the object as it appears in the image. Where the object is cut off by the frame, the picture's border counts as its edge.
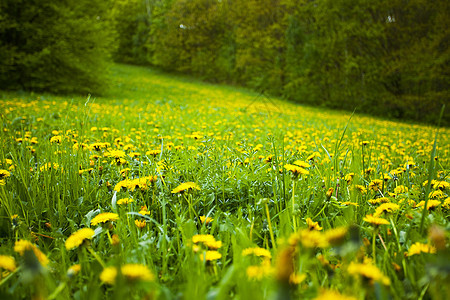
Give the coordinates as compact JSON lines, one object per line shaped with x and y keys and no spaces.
{"x":73,"y":270}
{"x":259,"y":272}
{"x":430,"y":205}
{"x":104,"y":218}
{"x":296,"y":170}
{"x":89,"y":170}
{"x":115,"y":240}
{"x":4,"y":174}
{"x":140,"y":223}
{"x":386,"y":208}
{"x":368,"y":271}
{"x":309,"y":239}
{"x":334,"y":295}
{"x":210,"y":255}
{"x":401,"y":189}
{"x":260,"y":252}
{"x":446,"y":203}
{"x":418,"y":248}
{"x":285,"y":265}
{"x":206,"y":220}
{"x":375,"y":185}
{"x":124,"y":201}
{"x":301,"y":164}
{"x":361,"y":189}
{"x":144,"y":210}
{"x":437,"y":236}
{"x":296,"y":279}
{"x":131,"y":272}
{"x":21,"y":246}
{"x":153,"y":152}
{"x":7,"y":263}
{"x":442,"y":185}
{"x":349,"y":177}
{"x":335,"y":236}
{"x":185,"y":187}
{"x":379,"y":200}
{"x":348,"y":203}
{"x":56,"y":139}
{"x":329,"y":193}
{"x":313,"y":156}
{"x":202,"y":238}
{"x":375,"y":220}
{"x":77,"y":238}
{"x":438,"y":194}
{"x":313,"y":225}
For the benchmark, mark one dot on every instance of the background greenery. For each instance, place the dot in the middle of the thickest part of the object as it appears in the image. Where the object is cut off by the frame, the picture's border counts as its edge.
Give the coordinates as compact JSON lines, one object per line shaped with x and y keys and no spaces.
{"x":387,"y":58}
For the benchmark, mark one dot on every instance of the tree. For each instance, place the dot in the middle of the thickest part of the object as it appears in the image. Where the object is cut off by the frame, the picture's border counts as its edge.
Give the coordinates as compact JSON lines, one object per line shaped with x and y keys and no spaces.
{"x":54,"y":45}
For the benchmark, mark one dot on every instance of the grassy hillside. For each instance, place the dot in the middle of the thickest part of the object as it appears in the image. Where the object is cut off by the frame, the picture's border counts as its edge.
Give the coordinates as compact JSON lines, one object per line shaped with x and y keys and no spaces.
{"x":172,"y":188}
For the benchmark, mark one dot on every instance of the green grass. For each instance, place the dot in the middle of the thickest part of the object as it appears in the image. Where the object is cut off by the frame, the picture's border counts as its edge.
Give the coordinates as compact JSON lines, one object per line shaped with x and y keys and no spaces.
{"x":64,"y":160}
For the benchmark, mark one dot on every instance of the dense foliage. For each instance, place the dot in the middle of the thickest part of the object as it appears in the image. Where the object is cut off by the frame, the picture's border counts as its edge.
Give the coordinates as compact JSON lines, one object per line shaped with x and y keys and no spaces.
{"x":195,"y":191}
{"x":59,"y":46}
{"x":388,"y":58}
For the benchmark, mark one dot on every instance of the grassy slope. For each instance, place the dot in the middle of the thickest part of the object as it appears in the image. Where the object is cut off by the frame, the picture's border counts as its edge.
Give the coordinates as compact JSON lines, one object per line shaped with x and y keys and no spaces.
{"x":218,"y":137}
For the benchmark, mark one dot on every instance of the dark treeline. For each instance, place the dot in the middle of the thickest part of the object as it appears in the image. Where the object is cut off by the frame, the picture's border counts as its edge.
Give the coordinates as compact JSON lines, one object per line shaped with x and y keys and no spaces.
{"x":383,"y":57}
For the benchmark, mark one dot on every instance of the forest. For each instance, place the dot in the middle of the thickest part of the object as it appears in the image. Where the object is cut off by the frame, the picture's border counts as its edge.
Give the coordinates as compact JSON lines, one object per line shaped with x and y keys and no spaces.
{"x":384,"y":58}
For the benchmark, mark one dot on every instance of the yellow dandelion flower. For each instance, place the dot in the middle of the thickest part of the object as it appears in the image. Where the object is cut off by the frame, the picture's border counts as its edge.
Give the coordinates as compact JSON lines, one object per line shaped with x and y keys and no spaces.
{"x":203,"y":238}
{"x":401,"y":189}
{"x":257,"y":251}
{"x":4,"y":174}
{"x":313,"y":225}
{"x":368,"y":271}
{"x":7,"y":263}
{"x":186,"y":186}
{"x":309,"y":239}
{"x":206,"y":220}
{"x":301,"y":164}
{"x":257,"y":273}
{"x":124,"y":201}
{"x":140,"y":223}
{"x":336,"y":236}
{"x":333,"y":295}
{"x":131,"y":272}
{"x":379,"y":200}
{"x":21,"y":246}
{"x":108,"y":275}
{"x":104,"y":217}
{"x":430,"y":205}
{"x":77,"y":238}
{"x":137,"y":272}
{"x":375,"y":220}
{"x":213,"y":245}
{"x":361,"y":189}
{"x":296,"y":279}
{"x":438,"y":194}
{"x":446,"y":203}
{"x":375,"y":185}
{"x":73,"y":270}
{"x":418,"y":248}
{"x":386,"y":208}
{"x":349,"y":177}
{"x":296,"y":170}
{"x":210,"y":255}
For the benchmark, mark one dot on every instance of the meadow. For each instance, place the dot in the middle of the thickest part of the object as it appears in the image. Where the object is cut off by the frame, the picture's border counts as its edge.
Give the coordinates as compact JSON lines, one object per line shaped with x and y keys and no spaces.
{"x":170,"y":188}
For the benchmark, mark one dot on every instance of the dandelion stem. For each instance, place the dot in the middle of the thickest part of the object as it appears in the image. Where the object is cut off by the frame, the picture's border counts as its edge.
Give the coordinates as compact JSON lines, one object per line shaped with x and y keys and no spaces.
{"x":293,"y":206}
{"x":270,"y":227}
{"x":58,"y":290}
{"x":95,"y":255}
{"x":373,"y":246}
